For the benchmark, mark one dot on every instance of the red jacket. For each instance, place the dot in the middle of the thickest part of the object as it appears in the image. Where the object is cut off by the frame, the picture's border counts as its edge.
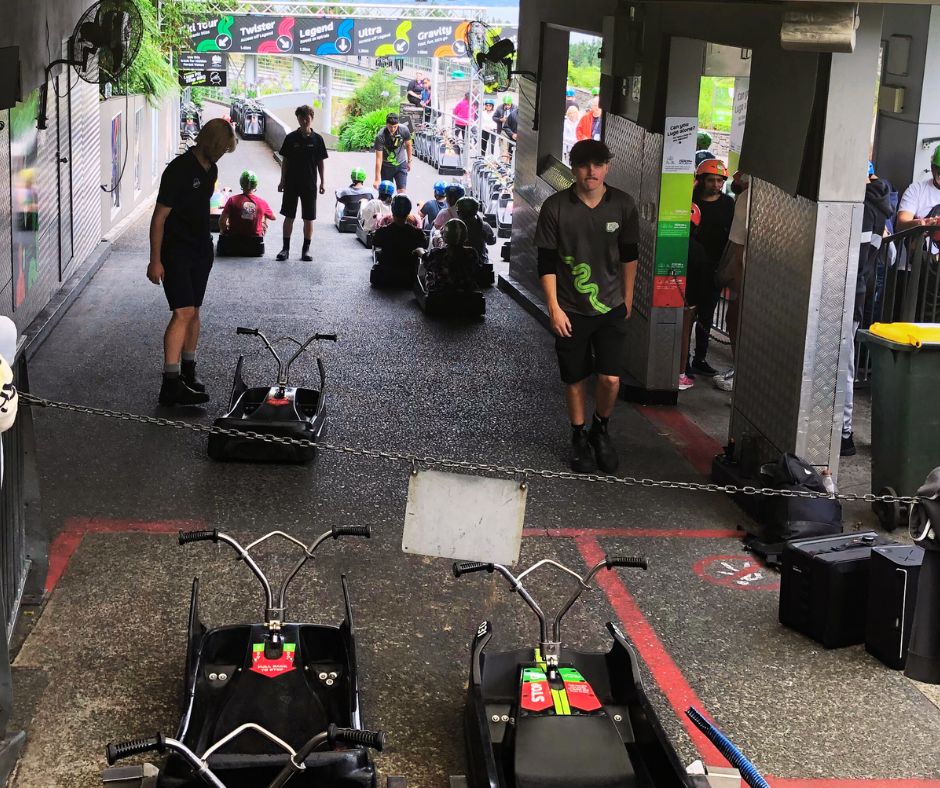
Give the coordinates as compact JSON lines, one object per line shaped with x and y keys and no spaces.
{"x":585,"y":126}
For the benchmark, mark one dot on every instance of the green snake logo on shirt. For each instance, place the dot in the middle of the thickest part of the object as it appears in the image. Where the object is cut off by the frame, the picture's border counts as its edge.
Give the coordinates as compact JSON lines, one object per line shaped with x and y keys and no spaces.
{"x":584,"y":285}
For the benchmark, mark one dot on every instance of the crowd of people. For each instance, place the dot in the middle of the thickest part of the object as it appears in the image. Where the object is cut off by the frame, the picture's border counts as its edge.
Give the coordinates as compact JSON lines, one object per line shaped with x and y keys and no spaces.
{"x":580,"y":124}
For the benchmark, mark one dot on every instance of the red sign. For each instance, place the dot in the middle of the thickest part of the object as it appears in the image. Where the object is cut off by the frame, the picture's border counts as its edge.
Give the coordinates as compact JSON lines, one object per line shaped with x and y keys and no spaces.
{"x":272,"y":668}
{"x":736,"y":571}
{"x":535,"y":693}
{"x":668,"y":291}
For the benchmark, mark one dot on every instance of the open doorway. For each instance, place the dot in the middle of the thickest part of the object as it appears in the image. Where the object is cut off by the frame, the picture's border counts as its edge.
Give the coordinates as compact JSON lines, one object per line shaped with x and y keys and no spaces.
{"x":583,"y":117}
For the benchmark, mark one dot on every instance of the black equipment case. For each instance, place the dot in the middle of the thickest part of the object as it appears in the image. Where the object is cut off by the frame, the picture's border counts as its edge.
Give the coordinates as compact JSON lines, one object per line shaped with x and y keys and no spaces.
{"x":824,"y":586}
{"x":892,"y":592}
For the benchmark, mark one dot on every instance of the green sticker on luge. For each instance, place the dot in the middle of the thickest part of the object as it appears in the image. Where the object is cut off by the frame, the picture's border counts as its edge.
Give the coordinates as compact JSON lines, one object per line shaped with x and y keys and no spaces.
{"x":570,"y":674}
{"x":533,"y":674}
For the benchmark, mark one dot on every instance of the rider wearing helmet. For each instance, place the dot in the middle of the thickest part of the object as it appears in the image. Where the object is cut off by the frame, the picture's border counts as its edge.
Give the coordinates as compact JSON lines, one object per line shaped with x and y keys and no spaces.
{"x":246,"y":214}
{"x":350,"y":199}
{"x":479,"y":233}
{"x":717,"y":214}
{"x":432,"y":208}
{"x":397,"y":239}
{"x":571,"y":100}
{"x":454,"y":266}
{"x":920,"y":197}
{"x":507,"y":126}
{"x":452,"y":193}
{"x":377,"y":207}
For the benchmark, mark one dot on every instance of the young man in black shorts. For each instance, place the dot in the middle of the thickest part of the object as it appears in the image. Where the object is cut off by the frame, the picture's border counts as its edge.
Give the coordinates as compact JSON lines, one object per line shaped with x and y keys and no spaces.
{"x":587,"y":238}
{"x":181,"y":256}
{"x":302,"y":155}
{"x":393,"y":152}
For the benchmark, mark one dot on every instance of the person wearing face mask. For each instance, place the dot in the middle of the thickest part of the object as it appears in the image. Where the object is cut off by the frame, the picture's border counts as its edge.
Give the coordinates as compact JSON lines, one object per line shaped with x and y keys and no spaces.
{"x":181,"y":256}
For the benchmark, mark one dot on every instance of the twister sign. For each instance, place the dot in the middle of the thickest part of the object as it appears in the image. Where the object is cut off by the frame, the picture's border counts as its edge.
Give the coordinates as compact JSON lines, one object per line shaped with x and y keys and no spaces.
{"x":323,"y":35}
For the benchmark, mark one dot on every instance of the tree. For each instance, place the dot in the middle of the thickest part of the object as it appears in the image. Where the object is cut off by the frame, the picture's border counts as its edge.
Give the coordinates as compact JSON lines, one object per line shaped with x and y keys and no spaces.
{"x":378,"y":91}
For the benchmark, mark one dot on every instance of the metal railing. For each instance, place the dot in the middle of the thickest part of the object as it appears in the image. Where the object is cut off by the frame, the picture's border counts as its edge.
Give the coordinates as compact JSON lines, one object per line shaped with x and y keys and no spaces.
{"x":905,"y":287}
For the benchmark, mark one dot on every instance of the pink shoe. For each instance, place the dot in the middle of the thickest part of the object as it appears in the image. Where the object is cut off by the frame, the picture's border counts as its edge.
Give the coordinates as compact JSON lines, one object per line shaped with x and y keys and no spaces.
{"x":685,"y":382}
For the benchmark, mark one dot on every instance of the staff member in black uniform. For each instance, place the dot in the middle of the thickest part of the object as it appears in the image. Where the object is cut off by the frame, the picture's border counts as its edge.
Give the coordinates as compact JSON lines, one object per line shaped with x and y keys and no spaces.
{"x":587,"y":237}
{"x":181,"y":255}
{"x":302,"y":155}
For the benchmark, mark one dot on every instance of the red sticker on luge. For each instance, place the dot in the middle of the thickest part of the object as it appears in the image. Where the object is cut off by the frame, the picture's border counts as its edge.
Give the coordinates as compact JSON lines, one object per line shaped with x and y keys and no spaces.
{"x":579,"y":692}
{"x":272,"y":667}
{"x":535,"y":693}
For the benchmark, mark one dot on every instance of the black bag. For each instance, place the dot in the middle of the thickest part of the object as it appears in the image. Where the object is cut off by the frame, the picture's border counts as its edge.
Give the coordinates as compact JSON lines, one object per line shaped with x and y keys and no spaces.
{"x":783,"y":519}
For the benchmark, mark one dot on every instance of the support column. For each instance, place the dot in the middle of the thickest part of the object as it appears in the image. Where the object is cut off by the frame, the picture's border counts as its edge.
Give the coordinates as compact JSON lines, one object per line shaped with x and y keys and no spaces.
{"x":297,"y":74}
{"x":799,"y":289}
{"x":326,"y":96}
{"x":251,"y":72}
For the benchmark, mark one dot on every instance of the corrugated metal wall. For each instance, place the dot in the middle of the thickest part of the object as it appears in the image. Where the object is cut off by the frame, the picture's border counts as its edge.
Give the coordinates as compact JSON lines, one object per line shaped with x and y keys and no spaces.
{"x":85,"y":170}
{"x":6,"y":220}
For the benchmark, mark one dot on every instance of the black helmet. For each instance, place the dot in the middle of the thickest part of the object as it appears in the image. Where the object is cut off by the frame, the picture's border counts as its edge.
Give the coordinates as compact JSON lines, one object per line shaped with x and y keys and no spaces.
{"x":454,"y":233}
{"x":467,"y":207}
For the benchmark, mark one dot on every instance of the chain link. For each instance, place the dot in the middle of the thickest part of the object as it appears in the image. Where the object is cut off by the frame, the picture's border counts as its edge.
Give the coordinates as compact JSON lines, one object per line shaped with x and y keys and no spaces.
{"x":415,"y":460}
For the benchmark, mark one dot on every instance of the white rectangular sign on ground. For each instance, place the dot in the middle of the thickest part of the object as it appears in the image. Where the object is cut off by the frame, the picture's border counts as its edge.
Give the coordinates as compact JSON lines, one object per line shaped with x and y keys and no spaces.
{"x":467,"y":518}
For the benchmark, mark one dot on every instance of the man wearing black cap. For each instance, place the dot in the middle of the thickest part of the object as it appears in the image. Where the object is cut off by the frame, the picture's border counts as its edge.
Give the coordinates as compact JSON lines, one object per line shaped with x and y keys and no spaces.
{"x":393,"y":152}
{"x":587,"y":238}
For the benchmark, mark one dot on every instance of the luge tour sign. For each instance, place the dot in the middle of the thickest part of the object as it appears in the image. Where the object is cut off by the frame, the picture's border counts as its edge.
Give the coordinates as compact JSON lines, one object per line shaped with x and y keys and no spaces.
{"x":315,"y":35}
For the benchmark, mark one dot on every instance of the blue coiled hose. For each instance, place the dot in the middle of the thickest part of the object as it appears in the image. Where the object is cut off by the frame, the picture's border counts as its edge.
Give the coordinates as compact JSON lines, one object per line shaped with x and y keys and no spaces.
{"x":734,"y":756}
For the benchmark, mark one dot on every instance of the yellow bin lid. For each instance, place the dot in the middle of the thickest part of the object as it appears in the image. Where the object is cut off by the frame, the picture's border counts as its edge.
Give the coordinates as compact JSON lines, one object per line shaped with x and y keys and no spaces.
{"x":915,"y":334}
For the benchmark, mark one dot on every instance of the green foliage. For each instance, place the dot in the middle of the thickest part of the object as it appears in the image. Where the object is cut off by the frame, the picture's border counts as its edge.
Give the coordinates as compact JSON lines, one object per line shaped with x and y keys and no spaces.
{"x":377,"y":92}
{"x":715,"y":103}
{"x":150,"y":72}
{"x":358,"y":132}
{"x":584,"y":54}
{"x":584,"y":76}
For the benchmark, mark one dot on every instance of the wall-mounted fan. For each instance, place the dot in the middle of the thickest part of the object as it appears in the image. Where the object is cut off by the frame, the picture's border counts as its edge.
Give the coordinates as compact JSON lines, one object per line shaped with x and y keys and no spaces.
{"x":101,"y":47}
{"x":492,"y":56}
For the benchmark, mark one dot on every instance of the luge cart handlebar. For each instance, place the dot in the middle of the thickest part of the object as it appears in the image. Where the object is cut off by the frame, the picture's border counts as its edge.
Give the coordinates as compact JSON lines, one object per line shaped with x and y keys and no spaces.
{"x":461,"y":568}
{"x":283,"y":370}
{"x":333,"y":735}
{"x":273,"y":614}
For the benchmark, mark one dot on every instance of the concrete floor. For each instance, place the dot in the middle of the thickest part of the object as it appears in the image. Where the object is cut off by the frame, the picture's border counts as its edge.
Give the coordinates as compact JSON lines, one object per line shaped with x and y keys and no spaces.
{"x":104,"y":660}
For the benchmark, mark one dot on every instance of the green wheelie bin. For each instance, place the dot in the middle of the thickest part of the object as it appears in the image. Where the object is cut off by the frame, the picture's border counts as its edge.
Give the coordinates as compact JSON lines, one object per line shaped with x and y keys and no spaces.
{"x":905,"y":411}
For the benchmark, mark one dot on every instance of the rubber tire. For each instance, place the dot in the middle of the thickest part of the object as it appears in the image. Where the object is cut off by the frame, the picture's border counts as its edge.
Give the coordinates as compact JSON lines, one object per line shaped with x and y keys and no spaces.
{"x":888,"y":514}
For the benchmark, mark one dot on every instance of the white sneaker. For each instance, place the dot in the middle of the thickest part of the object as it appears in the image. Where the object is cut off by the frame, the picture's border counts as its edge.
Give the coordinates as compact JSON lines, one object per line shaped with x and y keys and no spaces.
{"x":725,"y":382}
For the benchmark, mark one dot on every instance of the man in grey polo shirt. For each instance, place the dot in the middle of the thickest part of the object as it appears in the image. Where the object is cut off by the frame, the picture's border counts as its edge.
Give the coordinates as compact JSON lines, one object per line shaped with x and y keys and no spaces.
{"x":587,"y":239}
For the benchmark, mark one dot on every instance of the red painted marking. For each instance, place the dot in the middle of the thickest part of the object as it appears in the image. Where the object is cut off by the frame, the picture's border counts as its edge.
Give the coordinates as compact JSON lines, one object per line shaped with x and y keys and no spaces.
{"x":654,"y":533}
{"x":650,"y":648}
{"x":697,"y":445}
{"x":842,"y":782}
{"x":713,"y":570}
{"x":70,"y":537}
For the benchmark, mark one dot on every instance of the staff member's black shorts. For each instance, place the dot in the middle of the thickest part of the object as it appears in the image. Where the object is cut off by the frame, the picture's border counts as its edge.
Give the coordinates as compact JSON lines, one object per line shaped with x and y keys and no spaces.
{"x":595,"y":345}
{"x":185,"y":277}
{"x":308,"y":203}
{"x":395,"y":173}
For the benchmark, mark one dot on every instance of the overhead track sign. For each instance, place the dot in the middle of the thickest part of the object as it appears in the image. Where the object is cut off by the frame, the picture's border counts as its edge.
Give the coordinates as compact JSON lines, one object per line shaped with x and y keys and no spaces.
{"x":323,"y":35}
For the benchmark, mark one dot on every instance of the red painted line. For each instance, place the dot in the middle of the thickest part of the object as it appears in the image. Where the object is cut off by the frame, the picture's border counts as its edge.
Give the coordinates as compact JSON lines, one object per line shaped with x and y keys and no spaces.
{"x":842,"y":782}
{"x":650,"y":648}
{"x":697,"y":445}
{"x":654,"y":533}
{"x":70,"y":537}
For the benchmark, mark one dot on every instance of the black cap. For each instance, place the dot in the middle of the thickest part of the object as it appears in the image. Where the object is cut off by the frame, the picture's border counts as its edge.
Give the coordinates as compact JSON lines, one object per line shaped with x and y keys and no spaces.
{"x":392,"y":117}
{"x":589,"y":152}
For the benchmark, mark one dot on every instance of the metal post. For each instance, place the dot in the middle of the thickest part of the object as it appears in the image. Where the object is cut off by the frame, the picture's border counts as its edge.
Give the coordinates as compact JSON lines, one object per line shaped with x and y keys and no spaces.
{"x":326,"y":92}
{"x":297,"y":74}
{"x":251,"y":72}
{"x":435,"y":100}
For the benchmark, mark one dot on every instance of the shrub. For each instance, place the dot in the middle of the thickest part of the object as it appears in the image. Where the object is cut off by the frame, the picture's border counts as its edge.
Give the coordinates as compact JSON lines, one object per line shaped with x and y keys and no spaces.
{"x":358,"y":133}
{"x":377,"y":92}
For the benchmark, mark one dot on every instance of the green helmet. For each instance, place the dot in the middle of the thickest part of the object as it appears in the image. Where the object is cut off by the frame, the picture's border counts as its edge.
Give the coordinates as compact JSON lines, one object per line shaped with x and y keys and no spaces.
{"x":507,"y":99}
{"x":703,"y":140}
{"x":248,"y":181}
{"x":467,"y":207}
{"x":454,"y":233}
{"x":935,"y":159}
{"x":358,"y":175}
{"x":595,"y":91}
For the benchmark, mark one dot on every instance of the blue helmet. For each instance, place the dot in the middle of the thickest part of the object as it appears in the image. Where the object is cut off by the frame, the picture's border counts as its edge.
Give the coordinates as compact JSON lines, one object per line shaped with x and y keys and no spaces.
{"x":401,"y":205}
{"x":386,"y":189}
{"x":439,"y":188}
{"x":454,"y":192}
{"x":569,"y":92}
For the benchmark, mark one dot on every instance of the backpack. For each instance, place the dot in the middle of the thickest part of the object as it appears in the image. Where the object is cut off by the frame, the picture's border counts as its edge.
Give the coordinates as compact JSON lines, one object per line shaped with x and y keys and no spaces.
{"x":782,"y":519}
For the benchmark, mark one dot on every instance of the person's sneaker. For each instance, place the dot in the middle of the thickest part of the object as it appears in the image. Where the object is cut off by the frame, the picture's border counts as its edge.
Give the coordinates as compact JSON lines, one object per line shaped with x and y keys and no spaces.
{"x":604,"y":451}
{"x":306,"y":256}
{"x":848,"y":446}
{"x":703,"y":368}
{"x":174,"y":391}
{"x":582,"y":458}
{"x":188,"y":374}
{"x":685,"y":382}
{"x":725,"y":381}
{"x":282,"y":255}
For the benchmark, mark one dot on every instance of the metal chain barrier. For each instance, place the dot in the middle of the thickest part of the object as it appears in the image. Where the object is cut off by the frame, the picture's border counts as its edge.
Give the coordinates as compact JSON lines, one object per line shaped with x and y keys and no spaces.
{"x":415,"y":460}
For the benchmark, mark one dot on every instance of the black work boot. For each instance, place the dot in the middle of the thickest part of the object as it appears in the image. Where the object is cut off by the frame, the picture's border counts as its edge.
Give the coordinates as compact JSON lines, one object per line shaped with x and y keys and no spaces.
{"x":604,"y":450}
{"x":285,"y":251}
{"x":188,"y":374}
{"x":582,"y":458}
{"x":174,"y":391}
{"x":305,"y":252}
